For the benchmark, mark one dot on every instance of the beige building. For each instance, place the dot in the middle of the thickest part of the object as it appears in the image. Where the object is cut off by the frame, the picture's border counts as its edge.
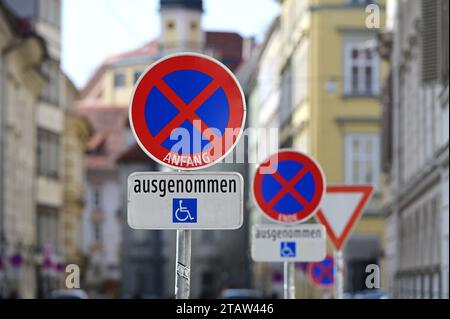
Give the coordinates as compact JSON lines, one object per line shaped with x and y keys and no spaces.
{"x":76,"y":134}
{"x":50,"y":122}
{"x":40,"y":139}
{"x":22,"y":52}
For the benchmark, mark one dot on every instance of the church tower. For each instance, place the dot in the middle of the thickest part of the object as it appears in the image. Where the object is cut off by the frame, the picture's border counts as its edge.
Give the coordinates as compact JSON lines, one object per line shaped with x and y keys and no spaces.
{"x":181,"y":28}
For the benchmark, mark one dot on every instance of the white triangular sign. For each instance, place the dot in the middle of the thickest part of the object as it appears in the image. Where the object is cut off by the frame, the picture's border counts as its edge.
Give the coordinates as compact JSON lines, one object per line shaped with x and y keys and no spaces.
{"x":340,"y":210}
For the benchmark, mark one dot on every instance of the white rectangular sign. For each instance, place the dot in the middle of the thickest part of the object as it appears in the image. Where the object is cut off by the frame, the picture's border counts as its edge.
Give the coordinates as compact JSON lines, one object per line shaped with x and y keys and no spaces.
{"x":300,"y":243}
{"x":207,"y":200}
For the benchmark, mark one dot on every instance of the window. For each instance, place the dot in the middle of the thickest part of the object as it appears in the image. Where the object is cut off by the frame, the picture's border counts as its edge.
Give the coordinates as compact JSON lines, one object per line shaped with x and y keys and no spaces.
{"x":50,"y":92}
{"x":300,"y":84}
{"x":170,"y":34}
{"x":194,"y":33}
{"x":119,"y":79}
{"x":97,"y":197}
{"x":286,"y":94}
{"x":48,"y":154}
{"x":97,"y":232}
{"x":430,"y":33}
{"x":47,"y":228}
{"x":361,"y":69}
{"x":170,"y":25}
{"x":137,"y":75}
{"x":362,"y":159}
{"x":50,"y":11}
{"x":443,"y":41}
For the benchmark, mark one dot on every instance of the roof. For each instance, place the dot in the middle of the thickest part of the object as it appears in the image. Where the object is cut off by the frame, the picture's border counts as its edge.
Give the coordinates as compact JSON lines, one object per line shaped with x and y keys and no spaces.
{"x":148,"y":49}
{"x":133,"y":154}
{"x":96,"y":142}
{"x":22,"y":27}
{"x":228,"y":47}
{"x":108,"y":140}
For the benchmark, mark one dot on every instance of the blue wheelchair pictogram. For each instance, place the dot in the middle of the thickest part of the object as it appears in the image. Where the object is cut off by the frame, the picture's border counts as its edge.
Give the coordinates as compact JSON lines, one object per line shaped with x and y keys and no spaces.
{"x":184,"y":210}
{"x":287,"y":249}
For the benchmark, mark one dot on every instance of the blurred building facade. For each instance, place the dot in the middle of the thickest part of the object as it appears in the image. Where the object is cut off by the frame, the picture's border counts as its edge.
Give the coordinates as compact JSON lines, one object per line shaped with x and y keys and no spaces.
{"x":108,"y":92}
{"x":264,"y":104}
{"x":147,"y":265}
{"x":77,"y":132}
{"x":416,"y":148}
{"x":36,"y":136}
{"x":319,"y":82}
{"x":22,"y":52}
{"x":101,"y":229}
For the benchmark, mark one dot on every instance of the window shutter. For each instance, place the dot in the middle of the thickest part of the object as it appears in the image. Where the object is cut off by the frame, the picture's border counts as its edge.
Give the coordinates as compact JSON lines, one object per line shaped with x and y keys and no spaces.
{"x":347,"y":69}
{"x":429,"y":40}
{"x":444,"y":35}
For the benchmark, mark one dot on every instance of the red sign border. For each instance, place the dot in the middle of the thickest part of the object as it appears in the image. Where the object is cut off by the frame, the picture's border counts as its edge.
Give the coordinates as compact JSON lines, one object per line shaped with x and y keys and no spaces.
{"x":339,"y":241}
{"x":138,"y":123}
{"x":270,"y":213}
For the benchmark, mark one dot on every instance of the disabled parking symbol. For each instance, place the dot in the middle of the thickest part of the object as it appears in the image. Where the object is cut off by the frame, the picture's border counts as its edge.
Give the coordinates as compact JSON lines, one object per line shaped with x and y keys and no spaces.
{"x":184,"y":210}
{"x":287,"y":249}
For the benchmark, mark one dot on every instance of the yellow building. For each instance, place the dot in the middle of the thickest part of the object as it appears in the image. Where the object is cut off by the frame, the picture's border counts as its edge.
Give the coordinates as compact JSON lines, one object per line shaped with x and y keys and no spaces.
{"x":329,"y":83}
{"x":77,"y":132}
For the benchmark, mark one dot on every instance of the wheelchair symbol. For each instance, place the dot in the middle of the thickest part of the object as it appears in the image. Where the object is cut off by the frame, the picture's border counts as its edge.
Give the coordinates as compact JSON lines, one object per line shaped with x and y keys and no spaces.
{"x":184,"y":210}
{"x":287,"y":249}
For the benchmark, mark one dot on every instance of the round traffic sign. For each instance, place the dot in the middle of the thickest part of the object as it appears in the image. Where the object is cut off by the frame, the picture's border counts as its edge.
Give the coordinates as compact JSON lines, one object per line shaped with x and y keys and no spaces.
{"x":288,"y":187}
{"x":187,"y":111}
{"x":322,"y":273}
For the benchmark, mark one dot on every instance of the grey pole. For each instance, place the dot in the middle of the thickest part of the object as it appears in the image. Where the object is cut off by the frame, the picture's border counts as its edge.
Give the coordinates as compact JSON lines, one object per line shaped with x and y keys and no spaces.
{"x":339,"y":274}
{"x":183,"y":264}
{"x":289,"y":280}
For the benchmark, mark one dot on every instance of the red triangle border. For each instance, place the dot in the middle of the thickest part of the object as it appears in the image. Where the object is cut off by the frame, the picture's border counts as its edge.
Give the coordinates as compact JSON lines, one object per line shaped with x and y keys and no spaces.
{"x":367,"y":190}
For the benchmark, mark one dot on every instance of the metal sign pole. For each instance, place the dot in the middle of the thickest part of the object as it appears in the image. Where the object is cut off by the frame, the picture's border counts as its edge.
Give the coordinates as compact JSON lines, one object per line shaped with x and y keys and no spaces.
{"x":339,"y":274}
{"x":183,"y":264}
{"x":289,"y":280}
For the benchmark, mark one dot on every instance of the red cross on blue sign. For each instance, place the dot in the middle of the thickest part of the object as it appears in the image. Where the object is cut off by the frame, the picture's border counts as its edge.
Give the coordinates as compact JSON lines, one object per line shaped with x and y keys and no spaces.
{"x":322,"y":273}
{"x":187,"y":111}
{"x":288,"y":187}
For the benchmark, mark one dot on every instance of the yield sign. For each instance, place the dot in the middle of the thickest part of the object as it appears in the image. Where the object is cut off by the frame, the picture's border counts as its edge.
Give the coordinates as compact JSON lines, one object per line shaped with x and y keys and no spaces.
{"x":341,"y":208}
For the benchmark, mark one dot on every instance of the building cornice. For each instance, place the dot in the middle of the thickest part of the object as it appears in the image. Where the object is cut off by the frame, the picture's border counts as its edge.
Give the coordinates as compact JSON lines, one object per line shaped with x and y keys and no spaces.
{"x":358,"y":120}
{"x":357,"y":30}
{"x":343,"y":7}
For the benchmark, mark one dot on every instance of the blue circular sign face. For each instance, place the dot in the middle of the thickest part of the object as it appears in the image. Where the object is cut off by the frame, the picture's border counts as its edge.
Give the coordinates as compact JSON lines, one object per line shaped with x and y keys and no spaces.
{"x":322,"y":273}
{"x":163,"y":113}
{"x":289,"y":186}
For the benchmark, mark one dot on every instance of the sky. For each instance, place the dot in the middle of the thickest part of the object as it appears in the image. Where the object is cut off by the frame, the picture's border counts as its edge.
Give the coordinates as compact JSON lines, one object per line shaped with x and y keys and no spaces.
{"x":95,"y":29}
